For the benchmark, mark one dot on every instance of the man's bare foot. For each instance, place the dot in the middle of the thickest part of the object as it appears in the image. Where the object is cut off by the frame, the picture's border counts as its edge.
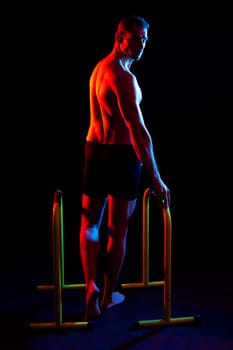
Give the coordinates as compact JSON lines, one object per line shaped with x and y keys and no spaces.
{"x":117,"y":298}
{"x":92,"y":303}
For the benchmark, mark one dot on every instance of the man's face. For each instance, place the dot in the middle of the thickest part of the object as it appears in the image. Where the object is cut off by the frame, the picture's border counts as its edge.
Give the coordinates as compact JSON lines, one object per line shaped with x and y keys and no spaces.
{"x":134,"y":42}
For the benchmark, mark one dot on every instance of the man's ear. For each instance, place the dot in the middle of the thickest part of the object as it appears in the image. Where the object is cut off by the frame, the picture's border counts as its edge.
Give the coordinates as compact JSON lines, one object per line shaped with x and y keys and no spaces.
{"x":119,"y":36}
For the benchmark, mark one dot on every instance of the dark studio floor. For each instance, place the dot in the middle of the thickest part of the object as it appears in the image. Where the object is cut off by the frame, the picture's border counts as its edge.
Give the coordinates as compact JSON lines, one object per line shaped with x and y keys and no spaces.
{"x":211,"y":300}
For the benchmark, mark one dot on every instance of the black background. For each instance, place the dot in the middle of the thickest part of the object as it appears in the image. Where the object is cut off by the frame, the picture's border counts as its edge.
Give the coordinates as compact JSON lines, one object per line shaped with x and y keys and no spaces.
{"x":186,"y":79}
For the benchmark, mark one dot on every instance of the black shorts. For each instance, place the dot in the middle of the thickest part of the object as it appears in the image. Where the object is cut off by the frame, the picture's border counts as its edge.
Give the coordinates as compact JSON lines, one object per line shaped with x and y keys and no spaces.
{"x":111,"y":169}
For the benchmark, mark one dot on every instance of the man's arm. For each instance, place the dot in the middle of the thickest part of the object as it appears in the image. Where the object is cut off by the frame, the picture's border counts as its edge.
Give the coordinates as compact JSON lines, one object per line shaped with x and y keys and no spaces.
{"x":129,"y":97}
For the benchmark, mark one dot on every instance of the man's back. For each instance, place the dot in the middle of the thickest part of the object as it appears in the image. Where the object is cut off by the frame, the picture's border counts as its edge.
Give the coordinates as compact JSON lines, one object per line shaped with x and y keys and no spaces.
{"x":110,"y":86}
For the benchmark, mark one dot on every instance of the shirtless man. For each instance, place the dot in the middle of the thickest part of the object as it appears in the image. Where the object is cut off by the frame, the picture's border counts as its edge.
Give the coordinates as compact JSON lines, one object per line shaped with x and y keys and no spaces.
{"x":117,"y":145}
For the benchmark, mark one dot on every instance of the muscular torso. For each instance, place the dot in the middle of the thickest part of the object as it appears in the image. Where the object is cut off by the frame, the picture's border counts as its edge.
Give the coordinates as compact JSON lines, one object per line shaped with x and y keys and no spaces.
{"x":107,"y":122}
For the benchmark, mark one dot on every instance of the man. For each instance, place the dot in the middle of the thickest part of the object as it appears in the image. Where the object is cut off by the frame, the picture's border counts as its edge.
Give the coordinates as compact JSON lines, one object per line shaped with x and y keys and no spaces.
{"x":117,"y":145}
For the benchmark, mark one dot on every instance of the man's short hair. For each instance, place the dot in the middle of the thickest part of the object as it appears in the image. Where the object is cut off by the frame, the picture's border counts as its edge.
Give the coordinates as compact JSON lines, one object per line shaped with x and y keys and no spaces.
{"x":127,"y":22}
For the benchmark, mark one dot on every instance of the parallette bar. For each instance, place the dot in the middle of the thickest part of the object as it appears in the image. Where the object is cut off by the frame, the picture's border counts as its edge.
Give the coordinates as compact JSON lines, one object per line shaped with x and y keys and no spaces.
{"x":167,"y":320}
{"x":173,"y":321}
{"x":58,"y":273}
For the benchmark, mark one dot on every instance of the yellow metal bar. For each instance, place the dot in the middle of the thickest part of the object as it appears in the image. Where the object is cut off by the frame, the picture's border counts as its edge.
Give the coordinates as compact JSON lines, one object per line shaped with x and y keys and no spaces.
{"x":167,"y":320}
{"x":58,"y":270}
{"x":145,"y":235}
{"x":61,"y":255}
{"x":61,"y":234}
{"x":145,"y":253}
{"x":172,"y":321}
{"x":167,"y":262}
{"x":142,"y":284}
{"x":56,"y":231}
{"x":65,"y":286}
{"x":58,"y":240}
{"x":62,"y":325}
{"x":145,"y":247}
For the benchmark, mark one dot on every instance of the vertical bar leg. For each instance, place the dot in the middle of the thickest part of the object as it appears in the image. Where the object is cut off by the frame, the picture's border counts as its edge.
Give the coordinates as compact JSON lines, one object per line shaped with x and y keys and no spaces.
{"x":145,"y":247}
{"x":57,"y":255}
{"x":167,"y":262}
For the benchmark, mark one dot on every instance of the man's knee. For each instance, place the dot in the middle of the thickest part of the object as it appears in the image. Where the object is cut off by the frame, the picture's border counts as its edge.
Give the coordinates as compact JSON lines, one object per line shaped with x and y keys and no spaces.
{"x":91,"y":233}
